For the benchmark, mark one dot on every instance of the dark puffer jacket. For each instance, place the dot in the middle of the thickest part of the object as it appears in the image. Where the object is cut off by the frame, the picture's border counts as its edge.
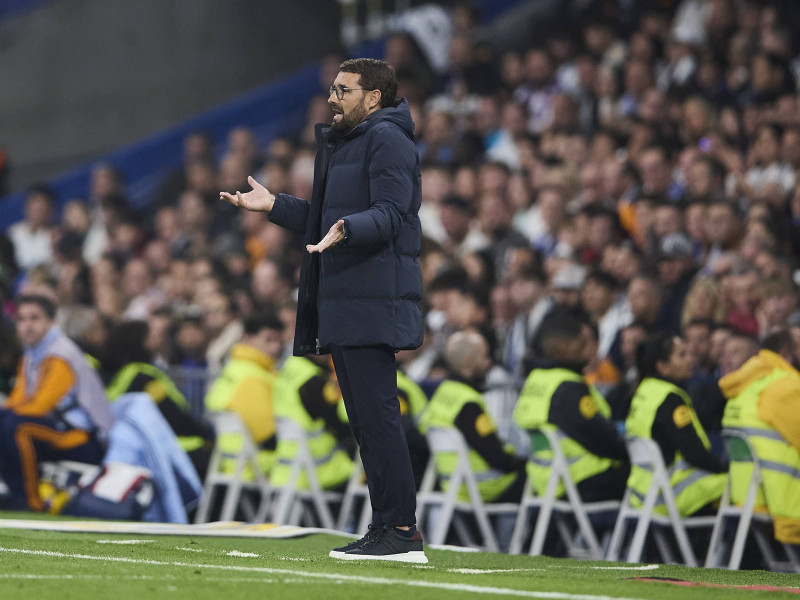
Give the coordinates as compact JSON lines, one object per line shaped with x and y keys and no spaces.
{"x":366,"y":290}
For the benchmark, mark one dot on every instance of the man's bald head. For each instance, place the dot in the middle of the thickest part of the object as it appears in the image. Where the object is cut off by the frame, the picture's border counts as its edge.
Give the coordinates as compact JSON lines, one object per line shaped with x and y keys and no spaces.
{"x":467,"y":354}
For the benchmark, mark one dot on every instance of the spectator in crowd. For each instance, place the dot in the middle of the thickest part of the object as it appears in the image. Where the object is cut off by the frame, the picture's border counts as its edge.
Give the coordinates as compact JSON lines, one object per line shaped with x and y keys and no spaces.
{"x":32,"y":237}
{"x":246,"y":386}
{"x":223,"y":327}
{"x":58,"y":408}
{"x":127,"y":366}
{"x":556,"y":396}
{"x":662,"y":411}
{"x":458,"y":405}
{"x":762,"y":396}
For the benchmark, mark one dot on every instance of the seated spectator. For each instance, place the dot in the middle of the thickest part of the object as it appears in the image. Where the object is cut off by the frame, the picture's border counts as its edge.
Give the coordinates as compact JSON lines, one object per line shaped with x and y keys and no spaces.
{"x":246,"y":386}
{"x":128,"y":367}
{"x":57,"y":410}
{"x":762,"y":402}
{"x":662,"y":411}
{"x":458,"y":404}
{"x":555,"y":395}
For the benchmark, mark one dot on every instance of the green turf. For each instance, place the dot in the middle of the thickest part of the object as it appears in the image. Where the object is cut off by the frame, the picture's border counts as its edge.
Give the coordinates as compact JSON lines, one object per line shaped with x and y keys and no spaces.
{"x":80,"y":567}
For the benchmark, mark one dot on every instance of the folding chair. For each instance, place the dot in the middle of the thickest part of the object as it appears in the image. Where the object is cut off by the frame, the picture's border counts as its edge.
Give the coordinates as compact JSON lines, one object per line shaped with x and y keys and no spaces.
{"x":740,"y":450}
{"x":646,"y":454}
{"x":356,"y":488}
{"x":547,"y":439}
{"x":446,"y":440}
{"x":287,"y":510}
{"x":234,"y":482}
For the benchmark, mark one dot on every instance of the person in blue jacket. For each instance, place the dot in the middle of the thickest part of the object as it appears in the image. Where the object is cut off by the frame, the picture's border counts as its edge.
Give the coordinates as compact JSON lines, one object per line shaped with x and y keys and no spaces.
{"x":360,"y":282}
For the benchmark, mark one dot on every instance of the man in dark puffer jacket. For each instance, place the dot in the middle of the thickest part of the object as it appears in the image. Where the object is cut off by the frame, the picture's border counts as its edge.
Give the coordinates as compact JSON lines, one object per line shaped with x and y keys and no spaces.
{"x":360,"y":286}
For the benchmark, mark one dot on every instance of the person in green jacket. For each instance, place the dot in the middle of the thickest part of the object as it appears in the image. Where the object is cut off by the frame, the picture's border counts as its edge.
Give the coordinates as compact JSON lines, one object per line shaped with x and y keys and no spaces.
{"x":246,"y":386}
{"x":662,"y":411}
{"x":126,"y":367}
{"x":556,"y":396}
{"x":458,"y":404}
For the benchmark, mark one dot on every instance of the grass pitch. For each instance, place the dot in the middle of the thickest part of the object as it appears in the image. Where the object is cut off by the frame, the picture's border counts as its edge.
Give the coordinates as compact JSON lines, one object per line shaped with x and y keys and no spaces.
{"x":44,"y":565}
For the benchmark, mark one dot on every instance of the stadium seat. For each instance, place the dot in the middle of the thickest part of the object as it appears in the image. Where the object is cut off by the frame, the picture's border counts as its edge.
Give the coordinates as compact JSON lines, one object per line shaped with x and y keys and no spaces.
{"x":235,"y":481}
{"x":645,"y":453}
{"x":356,"y":488}
{"x":548,"y":504}
{"x":446,"y":505}
{"x":740,"y":450}
{"x":287,"y":510}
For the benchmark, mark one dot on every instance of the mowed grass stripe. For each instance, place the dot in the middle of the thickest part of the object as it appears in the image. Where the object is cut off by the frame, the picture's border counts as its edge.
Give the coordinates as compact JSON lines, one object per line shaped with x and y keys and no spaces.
{"x":456,"y":587}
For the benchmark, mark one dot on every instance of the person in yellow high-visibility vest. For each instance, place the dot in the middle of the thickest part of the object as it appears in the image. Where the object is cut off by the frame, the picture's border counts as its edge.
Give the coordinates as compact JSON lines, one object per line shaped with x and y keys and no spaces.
{"x":662,"y":411}
{"x":556,"y":396}
{"x":458,"y":405}
{"x":764,"y":404}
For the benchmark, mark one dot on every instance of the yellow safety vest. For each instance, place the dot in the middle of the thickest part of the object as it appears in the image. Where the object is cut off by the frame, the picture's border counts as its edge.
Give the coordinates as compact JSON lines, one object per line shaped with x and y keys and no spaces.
{"x":693,"y":487}
{"x":532,"y":411}
{"x":442,"y":410}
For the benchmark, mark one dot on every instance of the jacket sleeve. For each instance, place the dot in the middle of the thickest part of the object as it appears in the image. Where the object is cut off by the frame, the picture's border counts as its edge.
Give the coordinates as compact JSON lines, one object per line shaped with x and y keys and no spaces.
{"x":289,"y":212}
{"x":779,"y":406}
{"x":673,"y":422}
{"x":392,"y":170}
{"x":479,"y":431}
{"x":55,"y":380}
{"x":575,"y":412}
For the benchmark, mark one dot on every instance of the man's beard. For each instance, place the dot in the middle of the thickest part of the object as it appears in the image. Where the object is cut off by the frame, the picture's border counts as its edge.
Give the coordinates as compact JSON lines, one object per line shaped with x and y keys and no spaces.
{"x":351,"y":119}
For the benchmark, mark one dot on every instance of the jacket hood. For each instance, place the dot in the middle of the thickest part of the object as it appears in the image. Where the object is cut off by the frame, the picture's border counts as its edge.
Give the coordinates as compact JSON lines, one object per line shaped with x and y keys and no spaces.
{"x":399,"y":114}
{"x":760,"y":365}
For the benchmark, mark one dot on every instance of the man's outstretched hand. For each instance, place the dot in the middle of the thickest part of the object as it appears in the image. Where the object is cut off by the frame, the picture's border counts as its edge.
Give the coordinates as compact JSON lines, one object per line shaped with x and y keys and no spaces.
{"x":334,"y":236}
{"x":259,"y":199}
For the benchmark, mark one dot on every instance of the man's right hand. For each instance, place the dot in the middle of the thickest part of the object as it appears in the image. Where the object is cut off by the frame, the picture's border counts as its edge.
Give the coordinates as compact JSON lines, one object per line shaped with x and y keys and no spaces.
{"x":259,"y":199}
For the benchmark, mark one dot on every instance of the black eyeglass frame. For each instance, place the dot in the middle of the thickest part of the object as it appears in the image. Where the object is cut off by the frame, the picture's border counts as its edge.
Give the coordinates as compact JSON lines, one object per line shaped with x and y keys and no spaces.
{"x":341,"y":90}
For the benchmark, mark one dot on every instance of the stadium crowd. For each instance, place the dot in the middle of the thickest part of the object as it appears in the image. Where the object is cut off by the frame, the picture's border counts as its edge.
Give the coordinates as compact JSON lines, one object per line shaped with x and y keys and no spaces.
{"x":631,"y":175}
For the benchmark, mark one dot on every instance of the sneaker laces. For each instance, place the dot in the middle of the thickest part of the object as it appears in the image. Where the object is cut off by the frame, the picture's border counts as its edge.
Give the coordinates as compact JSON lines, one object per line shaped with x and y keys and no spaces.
{"x":374,"y":535}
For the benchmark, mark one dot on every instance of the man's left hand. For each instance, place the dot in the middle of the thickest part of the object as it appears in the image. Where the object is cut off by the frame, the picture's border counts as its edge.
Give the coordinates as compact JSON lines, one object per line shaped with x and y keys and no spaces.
{"x":334,"y":236}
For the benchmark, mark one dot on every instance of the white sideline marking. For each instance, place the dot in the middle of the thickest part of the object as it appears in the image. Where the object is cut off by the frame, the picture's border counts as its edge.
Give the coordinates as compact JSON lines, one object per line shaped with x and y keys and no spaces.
{"x":640,"y":568}
{"x":550,"y":568}
{"x":124,"y":542}
{"x":301,"y":575}
{"x":295,"y":559}
{"x":244,"y":554}
{"x":188,"y":549}
{"x":485,"y":571}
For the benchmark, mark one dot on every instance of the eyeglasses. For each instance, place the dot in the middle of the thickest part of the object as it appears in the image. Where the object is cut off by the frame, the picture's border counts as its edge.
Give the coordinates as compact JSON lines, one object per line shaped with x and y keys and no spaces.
{"x":341,"y":90}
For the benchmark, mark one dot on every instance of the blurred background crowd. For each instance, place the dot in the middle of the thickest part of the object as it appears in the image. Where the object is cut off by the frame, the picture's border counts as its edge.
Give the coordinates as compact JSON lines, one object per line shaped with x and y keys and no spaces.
{"x":635,"y":163}
{"x":638,"y":165}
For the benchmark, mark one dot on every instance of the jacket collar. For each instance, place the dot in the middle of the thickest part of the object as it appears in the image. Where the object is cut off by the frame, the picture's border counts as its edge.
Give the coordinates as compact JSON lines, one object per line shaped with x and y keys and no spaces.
{"x":757,"y":367}
{"x":37,"y":353}
{"x":250,"y":354}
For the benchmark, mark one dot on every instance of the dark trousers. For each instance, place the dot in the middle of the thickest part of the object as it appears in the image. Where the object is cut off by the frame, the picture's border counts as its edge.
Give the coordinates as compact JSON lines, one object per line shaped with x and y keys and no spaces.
{"x":25,"y":441}
{"x":368,"y":379}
